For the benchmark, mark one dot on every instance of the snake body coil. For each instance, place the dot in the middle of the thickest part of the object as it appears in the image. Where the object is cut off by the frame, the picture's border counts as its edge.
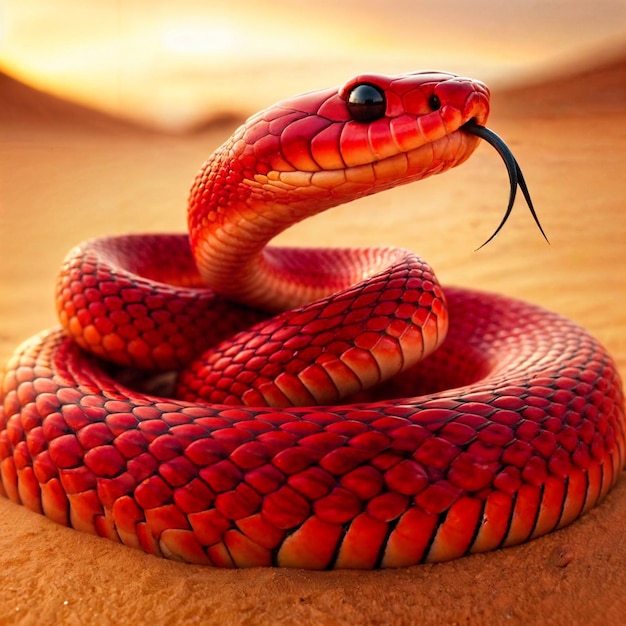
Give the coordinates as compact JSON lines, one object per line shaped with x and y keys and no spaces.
{"x":334,"y":408}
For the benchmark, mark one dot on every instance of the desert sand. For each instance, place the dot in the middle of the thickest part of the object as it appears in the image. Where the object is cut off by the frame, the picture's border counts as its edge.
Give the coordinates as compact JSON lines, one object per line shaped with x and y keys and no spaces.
{"x":67,"y":174}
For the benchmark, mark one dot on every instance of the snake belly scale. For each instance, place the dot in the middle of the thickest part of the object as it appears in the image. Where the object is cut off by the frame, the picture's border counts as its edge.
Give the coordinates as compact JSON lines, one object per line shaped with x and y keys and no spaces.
{"x":332,"y":408}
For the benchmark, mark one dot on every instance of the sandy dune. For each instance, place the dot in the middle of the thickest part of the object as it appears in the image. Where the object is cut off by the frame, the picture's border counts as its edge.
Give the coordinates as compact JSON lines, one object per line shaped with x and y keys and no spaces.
{"x":587,"y":88}
{"x":67,"y":173}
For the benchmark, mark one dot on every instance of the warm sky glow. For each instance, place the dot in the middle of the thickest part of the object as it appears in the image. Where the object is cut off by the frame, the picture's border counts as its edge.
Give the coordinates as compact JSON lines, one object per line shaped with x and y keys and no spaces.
{"x":177,"y":63}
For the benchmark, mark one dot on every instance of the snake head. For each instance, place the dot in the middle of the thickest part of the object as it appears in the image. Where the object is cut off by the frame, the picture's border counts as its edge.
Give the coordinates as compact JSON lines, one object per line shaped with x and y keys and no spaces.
{"x":376,"y":131}
{"x":308,"y":153}
{"x":323,"y":148}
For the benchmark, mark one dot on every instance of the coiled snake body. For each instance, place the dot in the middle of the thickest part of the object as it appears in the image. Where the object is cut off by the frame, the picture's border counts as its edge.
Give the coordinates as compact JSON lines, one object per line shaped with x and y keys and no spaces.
{"x":346,"y":413}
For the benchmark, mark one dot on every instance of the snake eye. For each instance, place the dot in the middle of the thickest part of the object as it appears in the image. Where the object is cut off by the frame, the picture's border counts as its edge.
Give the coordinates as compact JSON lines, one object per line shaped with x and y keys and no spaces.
{"x":434,"y":103}
{"x":366,"y":103}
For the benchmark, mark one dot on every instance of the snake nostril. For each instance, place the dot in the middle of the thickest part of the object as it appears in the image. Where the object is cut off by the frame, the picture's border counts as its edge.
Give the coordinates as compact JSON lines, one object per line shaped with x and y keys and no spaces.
{"x":434,"y":102}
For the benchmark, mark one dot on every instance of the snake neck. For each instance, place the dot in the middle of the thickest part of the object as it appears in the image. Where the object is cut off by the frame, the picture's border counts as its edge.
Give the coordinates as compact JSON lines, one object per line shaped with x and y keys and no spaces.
{"x":234,"y":214}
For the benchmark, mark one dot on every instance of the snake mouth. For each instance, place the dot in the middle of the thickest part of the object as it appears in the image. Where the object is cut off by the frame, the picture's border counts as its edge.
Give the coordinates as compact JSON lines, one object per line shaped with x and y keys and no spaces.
{"x":516,"y":178}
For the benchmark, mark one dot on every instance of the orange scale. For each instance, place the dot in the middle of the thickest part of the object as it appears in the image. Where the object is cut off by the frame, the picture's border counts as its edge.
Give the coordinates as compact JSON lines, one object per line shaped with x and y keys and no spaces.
{"x":362,"y":543}
{"x":105,"y":527}
{"x":111,"y":489}
{"x":311,"y":546}
{"x":319,"y":384}
{"x":354,"y":145}
{"x":45,"y":386}
{"x":83,"y":509}
{"x":594,"y":479}
{"x":295,"y":145}
{"x":166,"y":516}
{"x":495,"y":522}
{"x":113,"y":343}
{"x":257,"y":529}
{"x":552,"y":500}
{"x":325,"y":148}
{"x":54,"y":503}
{"x":408,"y":542}
{"x":44,"y":467}
{"x":244,"y":552}
{"x":182,"y":545}
{"x":209,"y":526}
{"x":28,"y":489}
{"x":577,"y":488}
{"x":21,"y":455}
{"x":146,"y":540}
{"x":380,"y":139}
{"x":220,"y":557}
{"x":285,"y":390}
{"x":430,"y":126}
{"x":403,"y":132}
{"x":454,"y":536}
{"x":525,"y":514}
{"x":363,"y":364}
{"x":8,"y":485}
{"x":77,"y":479}
{"x":253,"y":397}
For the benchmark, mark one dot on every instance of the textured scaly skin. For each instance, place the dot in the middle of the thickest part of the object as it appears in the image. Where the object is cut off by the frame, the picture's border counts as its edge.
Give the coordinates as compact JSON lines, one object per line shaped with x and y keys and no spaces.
{"x":510,"y":427}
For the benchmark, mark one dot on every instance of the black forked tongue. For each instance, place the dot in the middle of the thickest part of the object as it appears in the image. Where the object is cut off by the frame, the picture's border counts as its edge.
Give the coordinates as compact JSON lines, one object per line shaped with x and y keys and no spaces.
{"x":516,"y":178}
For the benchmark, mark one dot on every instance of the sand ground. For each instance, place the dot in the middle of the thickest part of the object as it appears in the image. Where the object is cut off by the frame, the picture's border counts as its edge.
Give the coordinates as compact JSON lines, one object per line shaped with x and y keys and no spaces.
{"x":66,"y":175}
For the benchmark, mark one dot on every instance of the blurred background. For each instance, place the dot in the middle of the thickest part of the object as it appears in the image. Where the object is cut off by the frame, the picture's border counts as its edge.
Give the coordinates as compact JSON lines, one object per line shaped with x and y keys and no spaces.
{"x":174,"y":64}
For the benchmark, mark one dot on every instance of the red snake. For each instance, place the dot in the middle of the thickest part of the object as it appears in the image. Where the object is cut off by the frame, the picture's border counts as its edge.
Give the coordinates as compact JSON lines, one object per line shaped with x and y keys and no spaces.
{"x":371,"y":422}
